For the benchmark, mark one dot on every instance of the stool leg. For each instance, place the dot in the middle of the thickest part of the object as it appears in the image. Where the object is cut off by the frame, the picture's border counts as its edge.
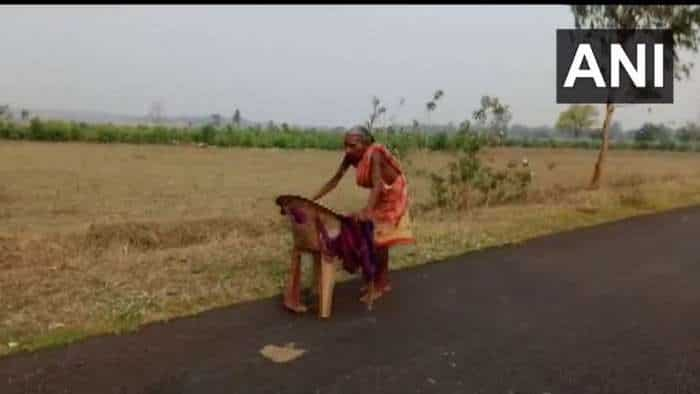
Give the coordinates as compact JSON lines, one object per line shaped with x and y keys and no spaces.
{"x":326,"y":287}
{"x":292,"y":296}
{"x":315,"y":288}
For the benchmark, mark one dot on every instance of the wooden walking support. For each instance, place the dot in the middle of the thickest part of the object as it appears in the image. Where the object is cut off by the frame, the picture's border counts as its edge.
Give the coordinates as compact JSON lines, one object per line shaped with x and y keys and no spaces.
{"x":305,"y":217}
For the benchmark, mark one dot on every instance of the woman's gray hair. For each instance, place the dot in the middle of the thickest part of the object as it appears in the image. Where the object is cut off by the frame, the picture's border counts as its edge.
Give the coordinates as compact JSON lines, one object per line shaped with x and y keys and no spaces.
{"x":367,"y":137}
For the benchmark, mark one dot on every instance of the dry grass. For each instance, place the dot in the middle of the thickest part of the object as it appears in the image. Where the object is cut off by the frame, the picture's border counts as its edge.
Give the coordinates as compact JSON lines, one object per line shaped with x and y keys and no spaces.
{"x":103,"y":238}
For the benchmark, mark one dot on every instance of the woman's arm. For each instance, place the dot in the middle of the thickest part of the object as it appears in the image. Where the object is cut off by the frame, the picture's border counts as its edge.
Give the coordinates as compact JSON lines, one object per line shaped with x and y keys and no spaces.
{"x":333,"y":182}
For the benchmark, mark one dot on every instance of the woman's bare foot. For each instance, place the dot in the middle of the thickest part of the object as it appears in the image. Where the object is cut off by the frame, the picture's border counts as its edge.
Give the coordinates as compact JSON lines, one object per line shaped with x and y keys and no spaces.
{"x":297,"y":308}
{"x":377,"y":294}
{"x":386,"y":289}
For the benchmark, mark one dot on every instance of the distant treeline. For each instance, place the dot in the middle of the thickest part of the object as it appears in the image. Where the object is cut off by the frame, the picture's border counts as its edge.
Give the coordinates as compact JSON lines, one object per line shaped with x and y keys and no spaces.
{"x":648,"y":132}
{"x":650,"y":136}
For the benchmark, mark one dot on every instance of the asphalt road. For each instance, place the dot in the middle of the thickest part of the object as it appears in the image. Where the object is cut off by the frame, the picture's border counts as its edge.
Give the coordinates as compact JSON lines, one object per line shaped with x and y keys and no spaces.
{"x":608,"y":309}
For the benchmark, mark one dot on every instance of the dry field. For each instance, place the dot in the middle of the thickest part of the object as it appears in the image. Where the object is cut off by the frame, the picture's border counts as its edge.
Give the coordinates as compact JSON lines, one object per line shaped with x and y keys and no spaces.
{"x":102,"y":238}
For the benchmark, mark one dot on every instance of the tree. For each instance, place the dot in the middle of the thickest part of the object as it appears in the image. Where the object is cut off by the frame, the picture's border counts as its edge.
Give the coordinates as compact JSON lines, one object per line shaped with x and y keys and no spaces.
{"x":377,"y":110}
{"x":464,"y":127}
{"x":652,"y":132}
{"x":431,"y":105}
{"x":577,"y":119}
{"x":25,"y":114}
{"x":236,"y":117}
{"x":438,"y":94}
{"x":616,"y":133}
{"x":498,"y":113}
{"x":216,"y":119}
{"x":689,"y":132}
{"x":682,"y":20}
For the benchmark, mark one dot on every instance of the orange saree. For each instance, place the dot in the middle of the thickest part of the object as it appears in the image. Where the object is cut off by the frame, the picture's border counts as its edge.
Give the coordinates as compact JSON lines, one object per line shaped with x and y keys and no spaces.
{"x":392,"y":223}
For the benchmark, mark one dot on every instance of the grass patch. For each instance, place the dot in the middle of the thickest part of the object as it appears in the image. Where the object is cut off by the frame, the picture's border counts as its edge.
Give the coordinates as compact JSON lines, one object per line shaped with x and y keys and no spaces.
{"x":54,"y":339}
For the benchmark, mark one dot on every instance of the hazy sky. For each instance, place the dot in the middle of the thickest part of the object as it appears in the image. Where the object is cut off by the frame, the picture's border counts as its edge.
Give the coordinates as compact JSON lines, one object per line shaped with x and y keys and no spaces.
{"x":300,"y":64}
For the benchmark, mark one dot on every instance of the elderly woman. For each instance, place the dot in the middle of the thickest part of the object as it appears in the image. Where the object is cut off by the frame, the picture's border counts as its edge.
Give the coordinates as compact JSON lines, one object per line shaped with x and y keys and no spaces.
{"x":378,"y":170}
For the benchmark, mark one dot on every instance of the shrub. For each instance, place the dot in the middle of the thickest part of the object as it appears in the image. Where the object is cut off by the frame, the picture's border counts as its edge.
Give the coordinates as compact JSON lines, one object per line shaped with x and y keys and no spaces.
{"x":106,"y":135}
{"x":438,"y":142}
{"x":468,"y":174}
{"x":36,"y":131}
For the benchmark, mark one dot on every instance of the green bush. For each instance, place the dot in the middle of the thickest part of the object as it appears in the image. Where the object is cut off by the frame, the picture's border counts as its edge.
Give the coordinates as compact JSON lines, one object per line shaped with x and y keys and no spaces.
{"x":36,"y":129}
{"x":398,"y":141}
{"x":438,"y":141}
{"x":4,"y":130}
{"x":468,"y":174}
{"x":106,"y":134}
{"x":206,"y":135}
{"x":56,"y":131}
{"x":75,"y":132}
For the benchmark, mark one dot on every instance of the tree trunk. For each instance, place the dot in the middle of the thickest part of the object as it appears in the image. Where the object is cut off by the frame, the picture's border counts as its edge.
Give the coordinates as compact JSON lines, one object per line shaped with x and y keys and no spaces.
{"x":598,"y":170}
{"x":370,"y":123}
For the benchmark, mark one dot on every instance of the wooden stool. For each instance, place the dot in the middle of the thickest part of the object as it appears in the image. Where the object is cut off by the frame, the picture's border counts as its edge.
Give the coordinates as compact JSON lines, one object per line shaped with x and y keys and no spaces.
{"x":305,"y":217}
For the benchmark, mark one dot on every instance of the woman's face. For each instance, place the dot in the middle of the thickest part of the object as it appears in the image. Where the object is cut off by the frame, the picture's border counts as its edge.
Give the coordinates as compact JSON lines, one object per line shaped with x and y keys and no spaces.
{"x":354,"y":147}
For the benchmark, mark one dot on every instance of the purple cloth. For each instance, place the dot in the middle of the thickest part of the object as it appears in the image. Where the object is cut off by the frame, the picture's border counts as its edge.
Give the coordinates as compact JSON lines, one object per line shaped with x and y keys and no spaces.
{"x":354,"y":246}
{"x":298,"y":215}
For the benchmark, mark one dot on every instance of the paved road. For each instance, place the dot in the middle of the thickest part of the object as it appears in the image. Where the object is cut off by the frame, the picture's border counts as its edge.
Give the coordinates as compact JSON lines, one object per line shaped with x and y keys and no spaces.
{"x":608,"y":309}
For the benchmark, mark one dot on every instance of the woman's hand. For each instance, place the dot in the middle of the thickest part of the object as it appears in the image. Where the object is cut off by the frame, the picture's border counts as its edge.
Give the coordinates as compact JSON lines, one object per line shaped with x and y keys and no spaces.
{"x":333,"y":182}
